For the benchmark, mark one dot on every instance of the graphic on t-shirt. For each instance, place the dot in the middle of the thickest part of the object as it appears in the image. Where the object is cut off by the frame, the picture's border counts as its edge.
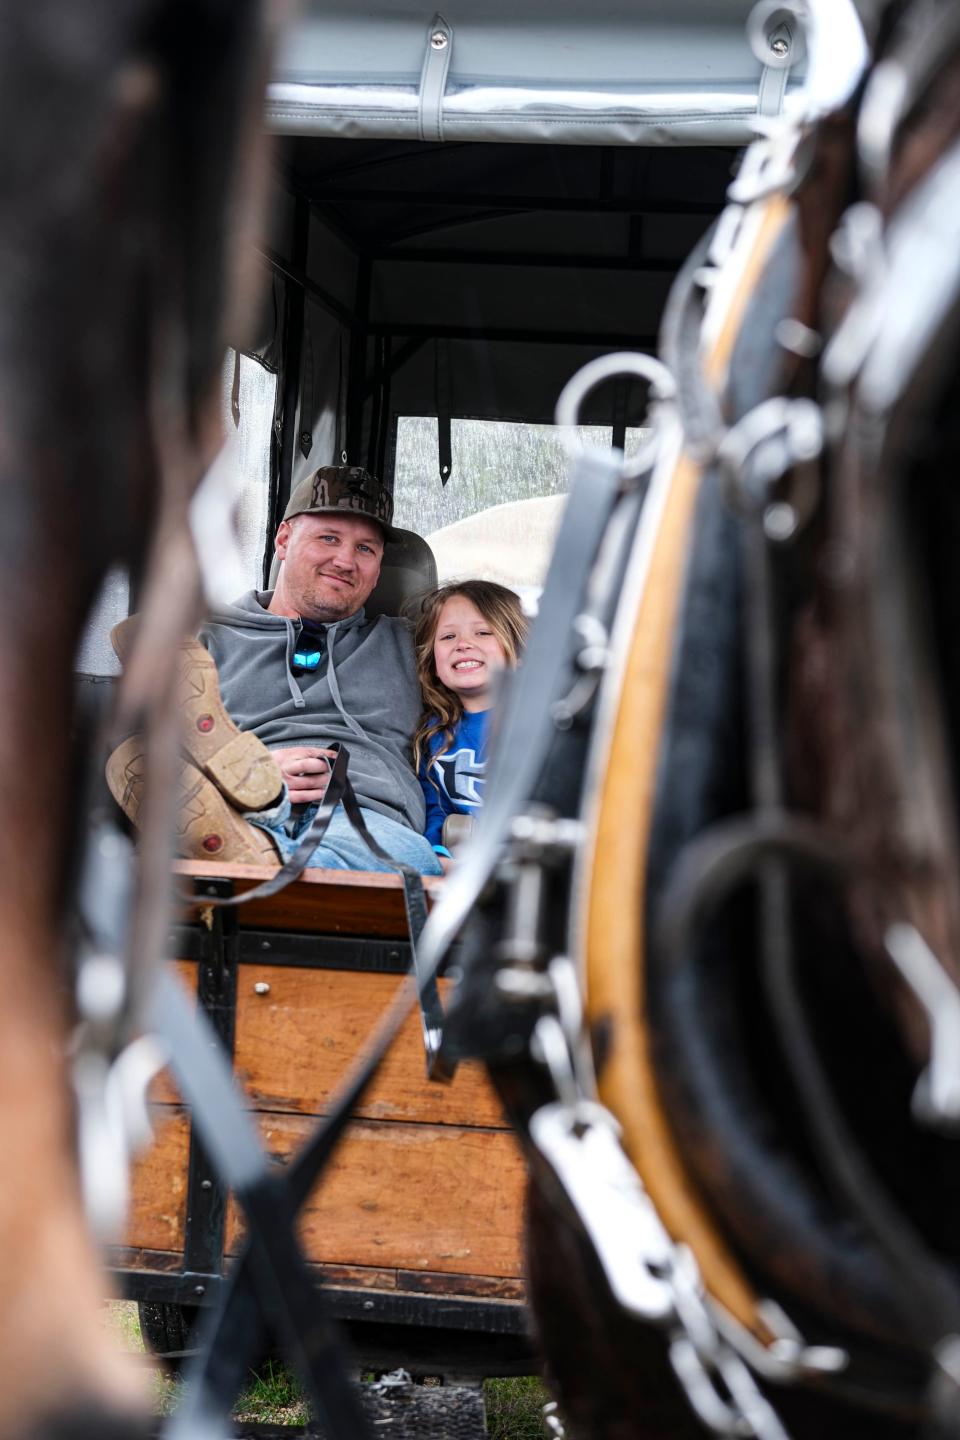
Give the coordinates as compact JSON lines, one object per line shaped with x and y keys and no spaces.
{"x":461,"y":774}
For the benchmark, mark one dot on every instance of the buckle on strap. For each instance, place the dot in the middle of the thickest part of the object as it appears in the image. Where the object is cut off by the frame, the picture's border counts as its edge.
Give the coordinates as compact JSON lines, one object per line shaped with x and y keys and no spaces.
{"x":581,"y":1145}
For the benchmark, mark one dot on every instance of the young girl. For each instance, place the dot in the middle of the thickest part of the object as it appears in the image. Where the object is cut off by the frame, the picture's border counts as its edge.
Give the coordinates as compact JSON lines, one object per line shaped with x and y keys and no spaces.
{"x":466,"y":632}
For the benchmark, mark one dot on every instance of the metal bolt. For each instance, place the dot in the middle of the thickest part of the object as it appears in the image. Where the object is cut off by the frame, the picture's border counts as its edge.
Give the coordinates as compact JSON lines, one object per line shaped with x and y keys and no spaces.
{"x":368,"y":1304}
{"x":523,"y":985}
{"x":779,"y":521}
{"x":779,"y":46}
{"x":261,"y":988}
{"x":439,"y":39}
{"x":264,"y":944}
{"x":798,"y":338}
{"x":199,"y":1289}
{"x":206,"y":1184}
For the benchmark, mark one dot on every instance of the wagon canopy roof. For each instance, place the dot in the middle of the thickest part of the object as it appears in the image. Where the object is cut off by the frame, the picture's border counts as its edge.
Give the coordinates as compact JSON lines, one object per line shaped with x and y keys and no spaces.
{"x":611,"y":72}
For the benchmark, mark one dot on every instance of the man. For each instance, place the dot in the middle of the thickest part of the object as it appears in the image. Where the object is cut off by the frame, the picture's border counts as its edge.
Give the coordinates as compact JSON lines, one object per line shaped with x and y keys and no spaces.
{"x":301,"y":667}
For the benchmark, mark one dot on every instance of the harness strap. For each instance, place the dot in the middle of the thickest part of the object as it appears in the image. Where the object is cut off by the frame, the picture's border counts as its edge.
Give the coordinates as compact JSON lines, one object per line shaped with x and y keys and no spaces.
{"x":697,"y":403}
{"x":243,"y":1321}
{"x":441,"y":354}
{"x":340,"y":791}
{"x":415,"y":903}
{"x":241,"y":1325}
{"x":235,"y":391}
{"x":527,"y":724}
{"x":284,"y":1287}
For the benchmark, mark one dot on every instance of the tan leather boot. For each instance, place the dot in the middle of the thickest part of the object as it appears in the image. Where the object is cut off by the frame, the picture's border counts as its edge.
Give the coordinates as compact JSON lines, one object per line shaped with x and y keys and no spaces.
{"x":207,"y":827}
{"x":240,"y":765}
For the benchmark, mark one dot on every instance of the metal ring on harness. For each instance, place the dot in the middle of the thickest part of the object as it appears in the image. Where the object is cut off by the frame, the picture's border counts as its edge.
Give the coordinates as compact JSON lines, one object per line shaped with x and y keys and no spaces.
{"x":608,"y":367}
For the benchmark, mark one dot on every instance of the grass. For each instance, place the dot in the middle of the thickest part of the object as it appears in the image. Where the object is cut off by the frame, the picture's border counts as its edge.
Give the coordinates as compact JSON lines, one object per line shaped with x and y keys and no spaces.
{"x":515,"y":1408}
{"x":274,"y":1396}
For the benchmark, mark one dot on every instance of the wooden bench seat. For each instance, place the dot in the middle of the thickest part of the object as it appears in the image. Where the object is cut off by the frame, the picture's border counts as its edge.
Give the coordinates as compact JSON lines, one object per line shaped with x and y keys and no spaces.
{"x":332,"y":902}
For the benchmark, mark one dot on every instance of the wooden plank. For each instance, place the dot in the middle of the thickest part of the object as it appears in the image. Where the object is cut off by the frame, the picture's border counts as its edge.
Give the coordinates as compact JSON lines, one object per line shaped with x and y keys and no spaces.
{"x":130,"y":1257}
{"x":158,"y":1205}
{"x":414,"y":1197}
{"x":295,"y":1043}
{"x":351,"y":1277}
{"x":356,"y":1277}
{"x":483,"y":1287}
{"x":331,"y":902}
{"x":411,"y":1207}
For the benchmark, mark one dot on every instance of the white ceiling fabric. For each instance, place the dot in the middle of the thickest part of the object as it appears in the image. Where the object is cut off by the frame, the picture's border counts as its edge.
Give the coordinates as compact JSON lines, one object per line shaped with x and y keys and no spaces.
{"x":611,"y":73}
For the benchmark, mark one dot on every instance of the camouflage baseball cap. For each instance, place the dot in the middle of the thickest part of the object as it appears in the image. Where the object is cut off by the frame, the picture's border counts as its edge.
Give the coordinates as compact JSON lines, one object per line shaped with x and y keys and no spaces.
{"x":346,"y":489}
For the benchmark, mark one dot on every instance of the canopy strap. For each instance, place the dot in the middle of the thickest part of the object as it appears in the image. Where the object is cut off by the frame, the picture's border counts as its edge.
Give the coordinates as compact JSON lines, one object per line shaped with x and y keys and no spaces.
{"x":774,"y":76}
{"x":433,"y":78}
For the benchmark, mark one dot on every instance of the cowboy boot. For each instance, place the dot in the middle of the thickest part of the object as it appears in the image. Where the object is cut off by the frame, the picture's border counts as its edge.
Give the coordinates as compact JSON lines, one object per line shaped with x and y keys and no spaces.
{"x":238,"y":763}
{"x":207,"y":828}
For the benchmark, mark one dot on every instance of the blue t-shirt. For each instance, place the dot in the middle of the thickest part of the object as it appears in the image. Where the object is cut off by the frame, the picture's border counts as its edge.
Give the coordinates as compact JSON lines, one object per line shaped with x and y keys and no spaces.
{"x":458,"y":773}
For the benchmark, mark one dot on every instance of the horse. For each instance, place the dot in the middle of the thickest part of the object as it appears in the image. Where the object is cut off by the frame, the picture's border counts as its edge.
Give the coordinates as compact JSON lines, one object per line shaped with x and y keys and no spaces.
{"x":712,"y":958}
{"x":129,"y":189}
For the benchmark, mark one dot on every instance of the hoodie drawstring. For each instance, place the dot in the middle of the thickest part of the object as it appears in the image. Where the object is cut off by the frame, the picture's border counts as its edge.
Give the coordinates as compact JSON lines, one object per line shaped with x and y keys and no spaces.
{"x":296,"y":693}
{"x":348,"y":720}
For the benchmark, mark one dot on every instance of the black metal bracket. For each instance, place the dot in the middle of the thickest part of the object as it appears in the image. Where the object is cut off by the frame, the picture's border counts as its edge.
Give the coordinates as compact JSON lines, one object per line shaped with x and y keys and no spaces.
{"x":183,"y":1287}
{"x":377,"y":1307}
{"x":298,"y":950}
{"x":204,"y":1229}
{"x":357,"y":370}
{"x":295,"y":311}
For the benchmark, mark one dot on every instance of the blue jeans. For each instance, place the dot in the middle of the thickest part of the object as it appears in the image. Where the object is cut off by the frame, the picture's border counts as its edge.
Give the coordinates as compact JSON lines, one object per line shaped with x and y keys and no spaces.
{"x":341,"y":847}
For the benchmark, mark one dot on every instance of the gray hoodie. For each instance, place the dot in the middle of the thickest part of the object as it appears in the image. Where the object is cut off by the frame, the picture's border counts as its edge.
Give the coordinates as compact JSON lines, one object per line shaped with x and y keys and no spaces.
{"x":364,"y":693}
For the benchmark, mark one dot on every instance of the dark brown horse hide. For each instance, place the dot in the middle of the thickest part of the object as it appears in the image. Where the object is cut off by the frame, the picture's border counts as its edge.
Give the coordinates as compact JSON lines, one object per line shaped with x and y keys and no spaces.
{"x":872,"y":748}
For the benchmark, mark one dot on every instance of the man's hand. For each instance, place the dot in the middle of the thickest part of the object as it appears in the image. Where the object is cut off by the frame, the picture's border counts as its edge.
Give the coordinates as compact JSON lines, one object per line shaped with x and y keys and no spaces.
{"x":306,"y":771}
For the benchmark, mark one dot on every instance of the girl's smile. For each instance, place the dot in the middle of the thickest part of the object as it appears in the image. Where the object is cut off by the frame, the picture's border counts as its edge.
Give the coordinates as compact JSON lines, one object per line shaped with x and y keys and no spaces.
{"x":466,"y":652}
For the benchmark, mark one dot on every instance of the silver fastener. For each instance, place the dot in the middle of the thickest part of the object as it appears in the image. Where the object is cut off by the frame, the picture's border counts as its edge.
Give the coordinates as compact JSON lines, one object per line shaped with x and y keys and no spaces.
{"x":523,"y":985}
{"x":439,"y":39}
{"x":779,"y":46}
{"x":779,"y":521}
{"x":262,"y":987}
{"x":798,"y":338}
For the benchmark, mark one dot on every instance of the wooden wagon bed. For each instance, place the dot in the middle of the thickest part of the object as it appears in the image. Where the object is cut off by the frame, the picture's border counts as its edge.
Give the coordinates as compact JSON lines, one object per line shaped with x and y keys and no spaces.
{"x":415,"y":1229}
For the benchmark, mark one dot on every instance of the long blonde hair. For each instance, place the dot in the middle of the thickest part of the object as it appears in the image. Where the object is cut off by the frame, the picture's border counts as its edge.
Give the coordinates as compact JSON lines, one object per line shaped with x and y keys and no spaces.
{"x":443,"y":709}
